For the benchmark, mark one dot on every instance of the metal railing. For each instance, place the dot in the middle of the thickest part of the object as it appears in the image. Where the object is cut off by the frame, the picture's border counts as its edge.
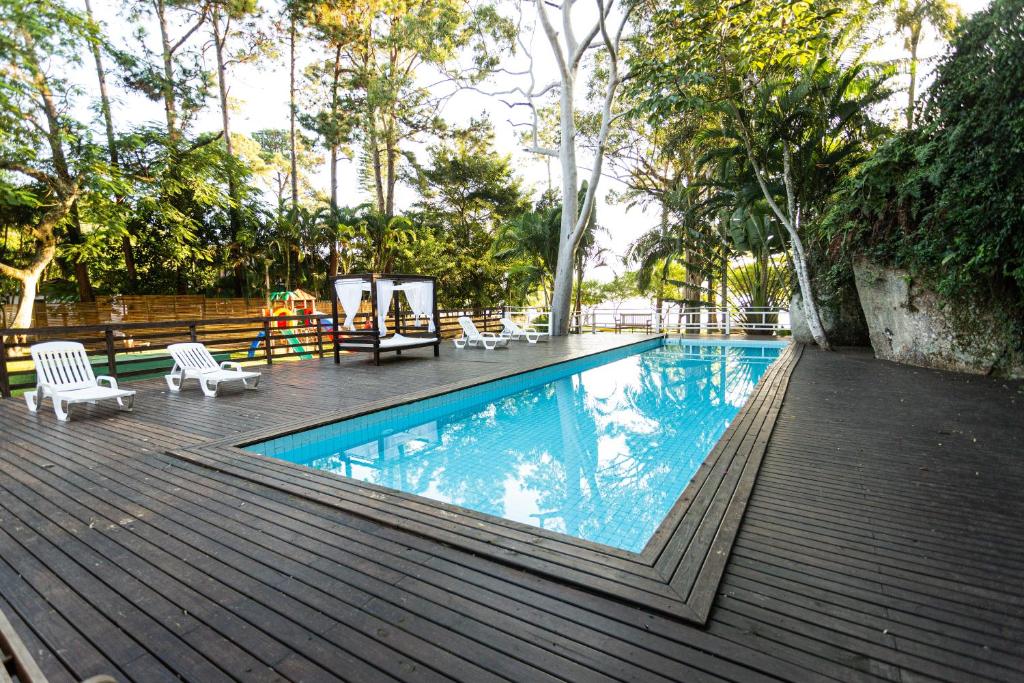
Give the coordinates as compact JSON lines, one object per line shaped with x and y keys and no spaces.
{"x":686,"y":320}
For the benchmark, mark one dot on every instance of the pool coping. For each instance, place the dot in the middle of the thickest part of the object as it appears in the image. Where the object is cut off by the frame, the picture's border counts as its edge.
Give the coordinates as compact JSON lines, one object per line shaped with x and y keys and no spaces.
{"x":678,"y":571}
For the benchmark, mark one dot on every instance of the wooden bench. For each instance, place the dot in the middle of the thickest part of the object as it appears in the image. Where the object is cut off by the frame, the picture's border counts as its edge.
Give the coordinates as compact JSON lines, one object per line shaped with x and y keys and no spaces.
{"x":634,"y":321}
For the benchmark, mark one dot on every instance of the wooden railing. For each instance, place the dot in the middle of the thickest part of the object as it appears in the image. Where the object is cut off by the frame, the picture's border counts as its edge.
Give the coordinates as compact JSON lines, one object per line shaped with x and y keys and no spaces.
{"x":142,"y":308}
{"x":138,"y":350}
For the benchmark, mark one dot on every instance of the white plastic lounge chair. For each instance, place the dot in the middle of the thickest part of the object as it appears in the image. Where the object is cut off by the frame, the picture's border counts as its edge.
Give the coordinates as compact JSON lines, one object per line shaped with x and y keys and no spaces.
{"x":474,"y":337}
{"x":193,"y":361}
{"x":63,"y":374}
{"x":516,"y":332}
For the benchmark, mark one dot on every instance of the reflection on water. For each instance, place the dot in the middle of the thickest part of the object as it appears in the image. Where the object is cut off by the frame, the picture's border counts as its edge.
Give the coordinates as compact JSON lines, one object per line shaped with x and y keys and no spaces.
{"x":602,"y":454}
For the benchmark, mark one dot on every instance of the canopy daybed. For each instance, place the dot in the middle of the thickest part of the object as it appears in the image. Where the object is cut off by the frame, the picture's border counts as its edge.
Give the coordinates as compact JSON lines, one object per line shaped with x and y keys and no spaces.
{"x":420,"y":292}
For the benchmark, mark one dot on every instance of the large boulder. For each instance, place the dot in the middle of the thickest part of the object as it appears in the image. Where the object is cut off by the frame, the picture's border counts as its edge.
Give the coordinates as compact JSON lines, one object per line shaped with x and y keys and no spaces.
{"x":909,"y":323}
{"x":841,"y":317}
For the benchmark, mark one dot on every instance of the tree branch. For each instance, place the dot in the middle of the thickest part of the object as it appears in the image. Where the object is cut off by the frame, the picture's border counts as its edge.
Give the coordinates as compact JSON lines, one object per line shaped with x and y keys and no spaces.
{"x":33,"y":173}
{"x":188,"y":34}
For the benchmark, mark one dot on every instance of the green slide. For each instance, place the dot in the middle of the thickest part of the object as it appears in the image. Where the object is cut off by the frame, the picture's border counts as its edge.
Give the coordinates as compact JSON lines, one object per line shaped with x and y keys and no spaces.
{"x":296,"y":346}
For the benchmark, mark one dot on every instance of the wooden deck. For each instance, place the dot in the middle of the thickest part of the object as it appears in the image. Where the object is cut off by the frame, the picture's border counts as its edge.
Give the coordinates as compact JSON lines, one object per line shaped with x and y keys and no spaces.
{"x":884,"y":540}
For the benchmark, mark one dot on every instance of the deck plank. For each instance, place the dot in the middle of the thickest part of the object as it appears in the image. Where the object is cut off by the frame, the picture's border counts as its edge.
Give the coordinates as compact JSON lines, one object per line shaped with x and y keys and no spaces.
{"x":883,"y":539}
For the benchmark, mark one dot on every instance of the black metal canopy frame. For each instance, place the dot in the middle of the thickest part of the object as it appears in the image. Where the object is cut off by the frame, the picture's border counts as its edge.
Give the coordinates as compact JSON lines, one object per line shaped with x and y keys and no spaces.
{"x":368,"y":340}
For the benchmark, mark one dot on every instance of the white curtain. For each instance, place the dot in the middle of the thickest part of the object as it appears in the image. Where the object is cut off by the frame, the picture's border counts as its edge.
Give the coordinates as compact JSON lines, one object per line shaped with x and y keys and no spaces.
{"x":421,"y":301}
{"x":350,"y":295}
{"x":385,"y":290}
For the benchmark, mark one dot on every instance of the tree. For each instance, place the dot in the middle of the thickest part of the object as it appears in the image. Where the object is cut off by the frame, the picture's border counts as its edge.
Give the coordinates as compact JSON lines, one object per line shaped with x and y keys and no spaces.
{"x":794,"y":110}
{"x":621,"y":288}
{"x":528,"y":246}
{"x":468,"y":192}
{"x":106,"y":112}
{"x":943,"y":200}
{"x":179,"y":82}
{"x":569,"y":51}
{"x":232,"y":20}
{"x":911,"y":17}
{"x":759,"y":282}
{"x":47,"y":157}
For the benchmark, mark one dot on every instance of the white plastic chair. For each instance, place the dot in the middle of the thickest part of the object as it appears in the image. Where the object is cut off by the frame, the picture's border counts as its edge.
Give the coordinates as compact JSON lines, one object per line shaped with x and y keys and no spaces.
{"x":516,"y":332}
{"x":63,"y":374}
{"x":474,"y":337}
{"x":193,"y":361}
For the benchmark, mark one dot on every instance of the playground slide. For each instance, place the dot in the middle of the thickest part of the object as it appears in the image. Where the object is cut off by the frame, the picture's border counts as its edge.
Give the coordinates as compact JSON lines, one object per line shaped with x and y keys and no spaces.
{"x":296,"y":346}
{"x":288,"y":337}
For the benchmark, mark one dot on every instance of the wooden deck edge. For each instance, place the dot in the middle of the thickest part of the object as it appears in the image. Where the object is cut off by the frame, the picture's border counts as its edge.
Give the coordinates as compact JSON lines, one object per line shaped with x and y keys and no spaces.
{"x":702,"y":594}
{"x":585,"y":568}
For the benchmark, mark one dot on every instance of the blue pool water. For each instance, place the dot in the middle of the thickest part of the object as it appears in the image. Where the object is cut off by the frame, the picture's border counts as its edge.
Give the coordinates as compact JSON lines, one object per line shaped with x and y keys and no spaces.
{"x":599,"y":448}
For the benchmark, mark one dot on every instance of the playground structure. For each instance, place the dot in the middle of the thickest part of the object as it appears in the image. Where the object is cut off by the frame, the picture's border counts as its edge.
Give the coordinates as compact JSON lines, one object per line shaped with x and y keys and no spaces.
{"x":296,"y":335}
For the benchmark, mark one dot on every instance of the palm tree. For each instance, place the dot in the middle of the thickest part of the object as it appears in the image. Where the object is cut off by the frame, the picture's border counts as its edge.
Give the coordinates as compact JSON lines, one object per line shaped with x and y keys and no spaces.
{"x":389,"y":239}
{"x":762,"y":283}
{"x":911,"y":17}
{"x":686,"y":236}
{"x":529,"y":243}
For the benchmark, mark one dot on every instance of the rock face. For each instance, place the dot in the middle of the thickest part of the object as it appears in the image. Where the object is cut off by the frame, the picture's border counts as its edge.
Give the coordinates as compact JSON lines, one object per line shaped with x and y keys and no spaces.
{"x":842,"y":320}
{"x":907,"y":323}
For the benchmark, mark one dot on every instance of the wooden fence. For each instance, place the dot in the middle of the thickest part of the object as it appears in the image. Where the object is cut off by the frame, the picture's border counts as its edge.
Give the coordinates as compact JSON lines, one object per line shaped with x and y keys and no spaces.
{"x":148,"y":308}
{"x":137,"y":350}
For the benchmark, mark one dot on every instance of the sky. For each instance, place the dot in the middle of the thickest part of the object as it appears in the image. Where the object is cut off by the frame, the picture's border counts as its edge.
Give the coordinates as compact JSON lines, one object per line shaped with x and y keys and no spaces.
{"x":259,"y":96}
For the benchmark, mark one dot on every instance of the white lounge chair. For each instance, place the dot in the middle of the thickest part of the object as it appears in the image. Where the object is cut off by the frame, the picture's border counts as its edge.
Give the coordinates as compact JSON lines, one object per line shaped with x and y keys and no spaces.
{"x":63,"y":374}
{"x":193,"y":361}
{"x":516,"y":332}
{"x":474,"y":337}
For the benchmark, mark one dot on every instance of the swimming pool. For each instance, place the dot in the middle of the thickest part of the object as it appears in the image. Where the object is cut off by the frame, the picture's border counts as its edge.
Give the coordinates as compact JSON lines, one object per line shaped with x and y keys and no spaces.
{"x":599,"y":448}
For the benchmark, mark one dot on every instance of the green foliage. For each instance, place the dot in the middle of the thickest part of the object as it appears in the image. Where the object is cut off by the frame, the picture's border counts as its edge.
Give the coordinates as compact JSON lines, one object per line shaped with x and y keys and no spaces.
{"x":785,"y":106}
{"x":468,"y":192}
{"x":944,"y":200}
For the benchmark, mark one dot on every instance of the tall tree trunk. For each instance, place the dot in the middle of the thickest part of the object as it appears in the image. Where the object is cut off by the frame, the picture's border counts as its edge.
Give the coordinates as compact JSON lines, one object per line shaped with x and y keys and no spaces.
{"x":578,"y":304}
{"x":81,"y":268}
{"x":167,"y":87}
{"x":332,"y":262}
{"x":391,"y":149}
{"x":562,"y":290}
{"x":64,"y":185}
{"x":725,"y":284}
{"x":373,"y":143}
{"x":127,"y":249}
{"x":220,"y":37}
{"x":915,"y":39}
{"x":791,"y":221}
{"x":292,"y":114}
{"x":575,"y":216}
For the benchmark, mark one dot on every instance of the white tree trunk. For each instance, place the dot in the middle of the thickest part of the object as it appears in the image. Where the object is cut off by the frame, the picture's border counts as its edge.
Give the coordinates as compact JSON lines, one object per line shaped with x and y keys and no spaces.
{"x":561,"y":299}
{"x":568,"y":53}
{"x":29,"y":289}
{"x":791,"y":222}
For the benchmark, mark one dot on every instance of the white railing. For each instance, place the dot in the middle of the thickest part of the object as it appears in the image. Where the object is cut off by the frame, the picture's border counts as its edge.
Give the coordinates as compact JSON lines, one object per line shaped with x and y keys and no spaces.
{"x":688,"y":320}
{"x":731,"y":320}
